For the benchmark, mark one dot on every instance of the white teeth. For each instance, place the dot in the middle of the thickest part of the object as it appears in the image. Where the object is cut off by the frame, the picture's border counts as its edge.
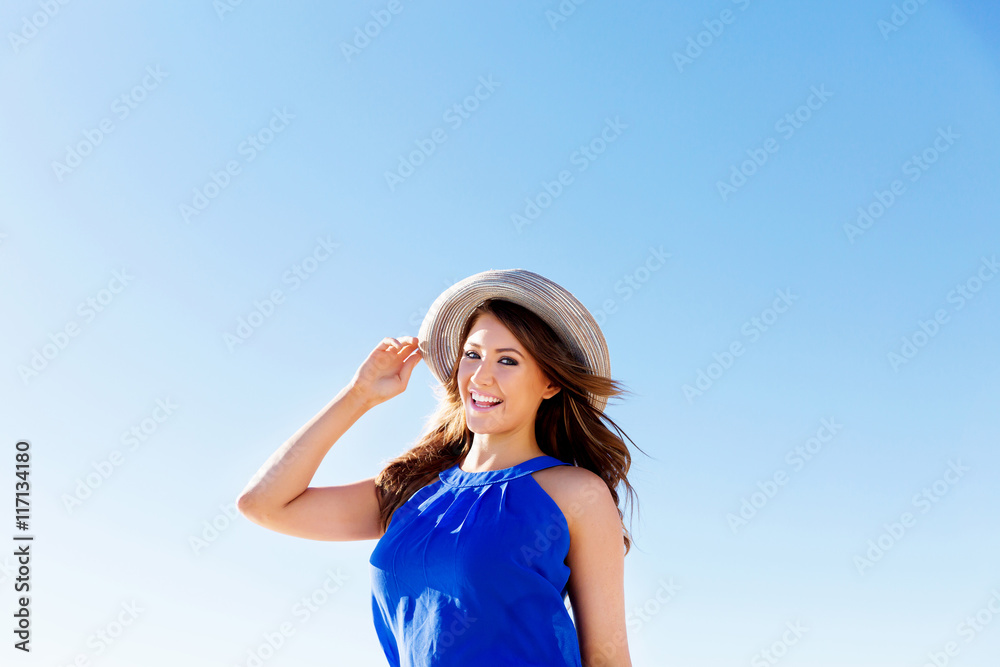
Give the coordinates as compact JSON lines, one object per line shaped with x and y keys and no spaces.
{"x":483,"y":399}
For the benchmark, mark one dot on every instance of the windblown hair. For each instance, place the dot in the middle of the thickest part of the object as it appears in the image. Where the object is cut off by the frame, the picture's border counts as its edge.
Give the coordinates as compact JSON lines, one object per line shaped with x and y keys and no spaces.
{"x":567,"y":426}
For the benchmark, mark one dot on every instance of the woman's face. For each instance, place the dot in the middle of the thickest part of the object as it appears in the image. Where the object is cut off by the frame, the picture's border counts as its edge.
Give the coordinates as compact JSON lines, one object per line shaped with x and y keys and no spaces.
{"x":493,"y":363}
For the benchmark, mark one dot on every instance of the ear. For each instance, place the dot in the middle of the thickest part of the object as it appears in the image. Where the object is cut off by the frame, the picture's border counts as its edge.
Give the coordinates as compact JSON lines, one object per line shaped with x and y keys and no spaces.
{"x":551,"y":391}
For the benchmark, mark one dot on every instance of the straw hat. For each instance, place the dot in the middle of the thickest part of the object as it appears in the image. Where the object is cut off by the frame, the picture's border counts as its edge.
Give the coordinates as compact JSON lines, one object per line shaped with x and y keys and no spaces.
{"x":441,"y":329}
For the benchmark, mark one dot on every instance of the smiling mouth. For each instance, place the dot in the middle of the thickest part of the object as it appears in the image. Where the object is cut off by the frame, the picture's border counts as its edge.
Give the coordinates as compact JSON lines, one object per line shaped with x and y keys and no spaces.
{"x":483,"y":405}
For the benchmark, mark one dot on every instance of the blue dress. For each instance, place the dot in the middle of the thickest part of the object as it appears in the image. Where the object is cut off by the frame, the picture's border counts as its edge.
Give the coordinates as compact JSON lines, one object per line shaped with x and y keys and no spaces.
{"x":472,"y":571}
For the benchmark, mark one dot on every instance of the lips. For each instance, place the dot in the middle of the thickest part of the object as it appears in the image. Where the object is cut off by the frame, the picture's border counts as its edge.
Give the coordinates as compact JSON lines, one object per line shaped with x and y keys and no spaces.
{"x":482,"y":406}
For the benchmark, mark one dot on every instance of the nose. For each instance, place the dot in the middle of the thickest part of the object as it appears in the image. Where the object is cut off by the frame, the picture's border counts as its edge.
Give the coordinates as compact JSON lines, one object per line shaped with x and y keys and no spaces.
{"x":482,"y":376}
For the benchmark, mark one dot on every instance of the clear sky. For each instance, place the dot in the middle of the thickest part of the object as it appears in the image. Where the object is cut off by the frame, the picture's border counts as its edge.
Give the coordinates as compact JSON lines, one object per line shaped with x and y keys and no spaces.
{"x":785,"y":215}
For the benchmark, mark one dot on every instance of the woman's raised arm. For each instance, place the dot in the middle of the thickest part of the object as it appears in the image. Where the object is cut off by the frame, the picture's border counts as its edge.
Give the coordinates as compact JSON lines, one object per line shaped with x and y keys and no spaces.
{"x":279,"y":497}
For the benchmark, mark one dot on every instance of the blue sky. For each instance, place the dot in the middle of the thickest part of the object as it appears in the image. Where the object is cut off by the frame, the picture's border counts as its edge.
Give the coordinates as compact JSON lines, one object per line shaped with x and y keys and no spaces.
{"x":170,"y":170}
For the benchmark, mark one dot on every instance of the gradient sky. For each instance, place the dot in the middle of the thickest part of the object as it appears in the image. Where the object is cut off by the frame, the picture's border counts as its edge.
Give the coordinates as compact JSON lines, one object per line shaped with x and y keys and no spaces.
{"x":118,"y":117}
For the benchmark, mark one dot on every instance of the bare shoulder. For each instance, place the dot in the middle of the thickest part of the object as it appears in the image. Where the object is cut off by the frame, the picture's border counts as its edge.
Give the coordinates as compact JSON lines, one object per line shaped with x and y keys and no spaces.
{"x":579,"y":493}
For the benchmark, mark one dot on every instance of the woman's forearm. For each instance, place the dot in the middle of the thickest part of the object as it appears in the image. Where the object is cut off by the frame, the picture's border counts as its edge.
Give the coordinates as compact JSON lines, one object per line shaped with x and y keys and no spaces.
{"x":288,"y":472}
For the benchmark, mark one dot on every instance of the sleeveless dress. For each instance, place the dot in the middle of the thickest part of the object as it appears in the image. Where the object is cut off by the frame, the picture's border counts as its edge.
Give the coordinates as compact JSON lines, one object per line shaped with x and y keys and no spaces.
{"x":472,"y":571}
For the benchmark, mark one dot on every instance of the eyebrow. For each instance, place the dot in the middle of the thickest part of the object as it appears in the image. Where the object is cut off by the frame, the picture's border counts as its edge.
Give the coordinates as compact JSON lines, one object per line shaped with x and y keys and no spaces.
{"x":502,"y":349}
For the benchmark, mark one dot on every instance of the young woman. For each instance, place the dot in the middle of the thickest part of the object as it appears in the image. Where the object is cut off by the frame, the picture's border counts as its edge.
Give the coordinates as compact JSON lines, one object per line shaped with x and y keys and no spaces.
{"x":508,"y":504}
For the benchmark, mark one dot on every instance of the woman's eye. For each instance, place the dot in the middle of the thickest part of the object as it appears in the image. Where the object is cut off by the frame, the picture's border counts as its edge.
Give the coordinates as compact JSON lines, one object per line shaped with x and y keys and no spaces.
{"x":513,"y":362}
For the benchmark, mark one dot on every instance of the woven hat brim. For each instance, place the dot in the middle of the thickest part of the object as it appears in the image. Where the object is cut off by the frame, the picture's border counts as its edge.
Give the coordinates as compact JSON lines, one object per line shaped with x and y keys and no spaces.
{"x":441,"y":329}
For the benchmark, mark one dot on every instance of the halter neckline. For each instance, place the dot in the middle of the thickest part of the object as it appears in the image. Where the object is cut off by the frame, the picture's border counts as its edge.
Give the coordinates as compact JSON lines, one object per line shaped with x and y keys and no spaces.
{"x":455,"y":476}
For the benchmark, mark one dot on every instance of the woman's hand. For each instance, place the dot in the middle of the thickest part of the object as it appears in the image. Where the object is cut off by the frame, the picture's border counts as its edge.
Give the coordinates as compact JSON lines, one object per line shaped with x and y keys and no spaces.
{"x":386,"y":371}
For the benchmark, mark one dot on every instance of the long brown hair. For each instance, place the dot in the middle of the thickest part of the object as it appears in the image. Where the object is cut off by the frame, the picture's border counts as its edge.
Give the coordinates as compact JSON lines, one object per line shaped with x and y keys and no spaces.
{"x":567,"y":426}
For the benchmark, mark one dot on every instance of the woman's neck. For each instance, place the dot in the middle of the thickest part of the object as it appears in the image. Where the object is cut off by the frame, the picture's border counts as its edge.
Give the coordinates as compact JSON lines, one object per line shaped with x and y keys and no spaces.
{"x":489,"y":452}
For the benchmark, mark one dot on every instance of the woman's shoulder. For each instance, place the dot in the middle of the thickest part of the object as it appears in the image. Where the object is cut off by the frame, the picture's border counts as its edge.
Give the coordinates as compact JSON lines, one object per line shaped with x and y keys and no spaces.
{"x":569,"y":478}
{"x":577,"y":491}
